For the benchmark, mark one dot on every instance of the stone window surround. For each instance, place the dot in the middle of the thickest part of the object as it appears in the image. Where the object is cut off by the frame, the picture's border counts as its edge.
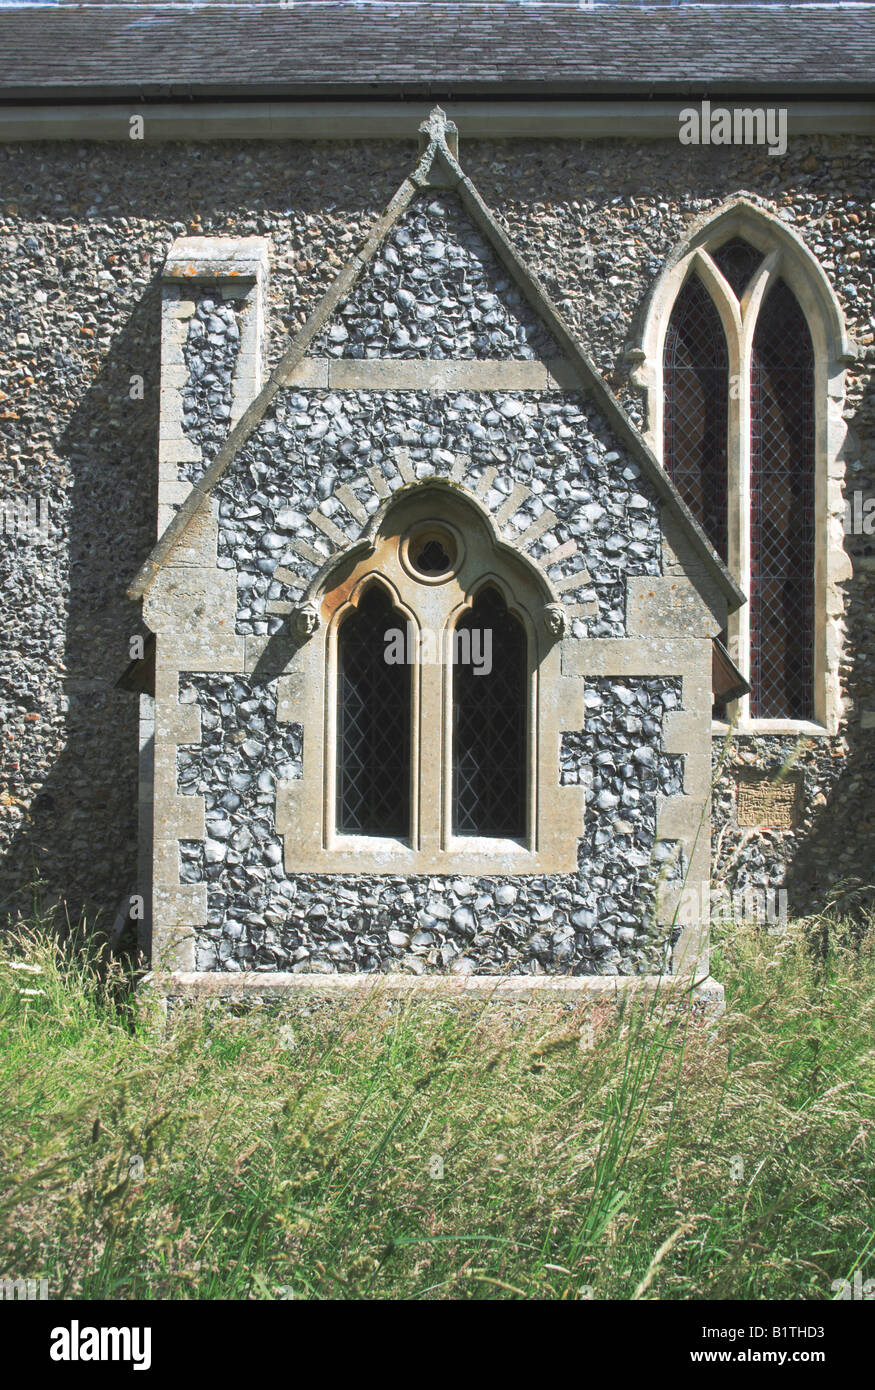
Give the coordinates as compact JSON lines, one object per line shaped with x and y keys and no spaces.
{"x":306,"y":814}
{"x":787,"y":257}
{"x":191,"y":606}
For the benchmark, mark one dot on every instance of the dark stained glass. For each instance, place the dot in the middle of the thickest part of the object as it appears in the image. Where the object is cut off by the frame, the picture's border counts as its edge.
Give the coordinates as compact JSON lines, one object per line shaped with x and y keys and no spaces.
{"x":782,"y":511}
{"x":490,"y":725}
{"x":738,"y":260}
{"x":373,"y":734}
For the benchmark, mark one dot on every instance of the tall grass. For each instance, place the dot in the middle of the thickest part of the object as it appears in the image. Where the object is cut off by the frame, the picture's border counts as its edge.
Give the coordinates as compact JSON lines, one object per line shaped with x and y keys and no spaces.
{"x":413,"y":1150}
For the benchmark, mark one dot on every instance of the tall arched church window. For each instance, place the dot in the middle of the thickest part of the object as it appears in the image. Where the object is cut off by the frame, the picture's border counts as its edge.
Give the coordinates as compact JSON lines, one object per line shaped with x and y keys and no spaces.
{"x":741,"y":352}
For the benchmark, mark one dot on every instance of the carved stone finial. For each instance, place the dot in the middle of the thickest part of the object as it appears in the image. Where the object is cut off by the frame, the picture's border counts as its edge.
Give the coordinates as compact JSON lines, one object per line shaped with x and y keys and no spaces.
{"x":305,"y":621}
{"x":437,"y":130}
{"x":554,"y":619}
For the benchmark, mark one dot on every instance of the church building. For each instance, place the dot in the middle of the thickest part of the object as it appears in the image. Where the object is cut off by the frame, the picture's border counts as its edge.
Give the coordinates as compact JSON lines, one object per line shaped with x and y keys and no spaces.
{"x":463,"y":505}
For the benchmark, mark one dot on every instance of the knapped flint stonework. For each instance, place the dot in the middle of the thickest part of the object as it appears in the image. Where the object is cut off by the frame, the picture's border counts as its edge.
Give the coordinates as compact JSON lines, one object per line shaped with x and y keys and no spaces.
{"x":437,"y":291}
{"x":85,"y":231}
{"x":316,"y":442}
{"x":598,"y":921}
{"x":210,"y":351}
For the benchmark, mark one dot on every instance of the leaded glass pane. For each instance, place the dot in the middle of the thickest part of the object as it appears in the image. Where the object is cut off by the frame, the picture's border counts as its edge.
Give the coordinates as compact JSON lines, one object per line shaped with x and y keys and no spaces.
{"x":490,"y":724}
{"x":696,"y":409}
{"x":373,"y":717}
{"x":696,"y":414}
{"x":782,"y":511}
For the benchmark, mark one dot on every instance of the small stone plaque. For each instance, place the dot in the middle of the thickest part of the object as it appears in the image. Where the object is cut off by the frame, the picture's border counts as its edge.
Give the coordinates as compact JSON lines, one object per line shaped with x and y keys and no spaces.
{"x":768,"y":801}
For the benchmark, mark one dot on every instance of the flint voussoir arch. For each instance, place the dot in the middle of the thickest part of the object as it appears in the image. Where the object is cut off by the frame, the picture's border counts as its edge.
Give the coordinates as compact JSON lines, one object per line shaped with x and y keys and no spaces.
{"x":433,"y":495}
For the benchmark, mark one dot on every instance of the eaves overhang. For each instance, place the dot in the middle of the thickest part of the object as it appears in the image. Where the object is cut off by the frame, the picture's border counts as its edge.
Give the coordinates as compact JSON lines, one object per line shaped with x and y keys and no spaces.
{"x":434,"y":52}
{"x":321,"y":119}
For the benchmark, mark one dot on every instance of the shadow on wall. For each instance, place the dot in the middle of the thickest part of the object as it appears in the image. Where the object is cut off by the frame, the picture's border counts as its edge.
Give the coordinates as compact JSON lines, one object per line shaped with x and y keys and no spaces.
{"x":78,"y":843}
{"x":78,"y":775}
{"x":834,"y":860}
{"x":830,"y":858}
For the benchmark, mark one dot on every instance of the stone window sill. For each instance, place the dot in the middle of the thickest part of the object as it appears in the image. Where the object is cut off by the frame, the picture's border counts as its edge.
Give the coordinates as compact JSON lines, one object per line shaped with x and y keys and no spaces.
{"x":487,"y":846}
{"x":772,"y":726}
{"x":370,"y":844}
{"x":374,"y":855}
{"x":457,"y":847}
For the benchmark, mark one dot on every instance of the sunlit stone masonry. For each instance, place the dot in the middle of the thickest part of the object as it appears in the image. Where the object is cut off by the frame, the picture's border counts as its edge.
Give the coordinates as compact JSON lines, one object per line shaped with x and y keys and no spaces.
{"x":436,"y":457}
{"x":597,"y":920}
{"x":306,"y":378}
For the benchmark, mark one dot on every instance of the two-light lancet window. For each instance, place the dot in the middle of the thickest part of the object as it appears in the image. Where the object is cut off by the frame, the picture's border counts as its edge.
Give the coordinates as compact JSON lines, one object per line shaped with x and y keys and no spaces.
{"x":485,"y":652}
{"x":436,"y":674}
{"x":742,"y":353}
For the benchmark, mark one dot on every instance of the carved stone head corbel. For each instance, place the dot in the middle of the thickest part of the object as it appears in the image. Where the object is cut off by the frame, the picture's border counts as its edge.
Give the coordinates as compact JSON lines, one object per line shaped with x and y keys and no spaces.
{"x":305,"y":621}
{"x":554,"y":619}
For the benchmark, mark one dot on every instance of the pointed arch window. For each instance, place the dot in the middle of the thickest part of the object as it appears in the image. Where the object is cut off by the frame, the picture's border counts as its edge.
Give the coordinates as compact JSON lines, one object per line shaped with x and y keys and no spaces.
{"x":742,"y":348}
{"x":373,"y":723}
{"x":489,"y":722}
{"x":430,"y":659}
{"x":696,"y":419}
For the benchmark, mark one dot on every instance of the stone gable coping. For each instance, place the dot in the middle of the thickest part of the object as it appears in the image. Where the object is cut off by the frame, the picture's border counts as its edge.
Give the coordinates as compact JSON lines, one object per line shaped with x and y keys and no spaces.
{"x":438,"y":168}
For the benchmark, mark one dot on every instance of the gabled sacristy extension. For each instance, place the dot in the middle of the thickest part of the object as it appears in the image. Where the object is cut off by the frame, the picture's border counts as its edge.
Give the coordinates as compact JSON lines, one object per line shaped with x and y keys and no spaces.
{"x":434,"y":633}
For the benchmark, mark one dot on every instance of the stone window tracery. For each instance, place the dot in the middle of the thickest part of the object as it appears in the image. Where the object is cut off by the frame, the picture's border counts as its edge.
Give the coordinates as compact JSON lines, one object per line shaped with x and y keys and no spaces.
{"x":433,"y":678}
{"x":742,"y":351}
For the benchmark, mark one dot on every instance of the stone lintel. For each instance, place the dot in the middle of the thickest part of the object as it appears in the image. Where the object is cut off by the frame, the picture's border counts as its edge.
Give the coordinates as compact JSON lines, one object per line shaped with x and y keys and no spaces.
{"x":640,"y":656}
{"x":431,"y":374}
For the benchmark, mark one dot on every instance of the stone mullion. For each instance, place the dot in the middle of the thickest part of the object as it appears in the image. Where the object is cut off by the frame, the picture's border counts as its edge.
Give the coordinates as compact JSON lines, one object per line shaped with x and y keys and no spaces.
{"x":433,"y":761}
{"x":738,"y":556}
{"x":740,"y":495}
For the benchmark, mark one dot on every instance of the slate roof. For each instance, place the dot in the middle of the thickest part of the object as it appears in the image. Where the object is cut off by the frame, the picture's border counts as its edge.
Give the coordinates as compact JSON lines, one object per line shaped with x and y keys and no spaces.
{"x":343,"y":50}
